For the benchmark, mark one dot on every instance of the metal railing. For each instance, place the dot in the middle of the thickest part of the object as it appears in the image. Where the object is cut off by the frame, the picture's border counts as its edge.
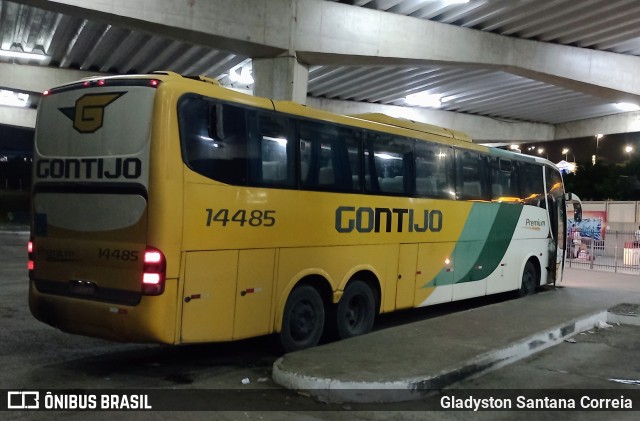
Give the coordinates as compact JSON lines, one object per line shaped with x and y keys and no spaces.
{"x":612,"y":251}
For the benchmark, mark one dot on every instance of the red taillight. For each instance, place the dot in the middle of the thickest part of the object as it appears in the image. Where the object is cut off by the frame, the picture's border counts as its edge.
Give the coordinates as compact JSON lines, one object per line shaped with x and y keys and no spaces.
{"x":31,"y":264}
{"x":101,"y":82}
{"x":154,"y":83}
{"x":154,"y":271}
{"x":45,"y":93}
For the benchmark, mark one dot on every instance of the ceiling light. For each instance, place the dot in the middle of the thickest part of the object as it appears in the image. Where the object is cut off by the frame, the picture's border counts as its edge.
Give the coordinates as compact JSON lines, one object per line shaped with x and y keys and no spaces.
{"x":243,"y":78}
{"x":448,"y":2}
{"x":424,"y":99}
{"x":20,"y":54}
{"x":627,"y":106}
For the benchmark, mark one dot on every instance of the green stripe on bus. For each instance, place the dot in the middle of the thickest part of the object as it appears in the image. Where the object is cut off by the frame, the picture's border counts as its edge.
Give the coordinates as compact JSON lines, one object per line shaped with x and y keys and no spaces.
{"x":482,"y":244}
{"x":494,"y":245}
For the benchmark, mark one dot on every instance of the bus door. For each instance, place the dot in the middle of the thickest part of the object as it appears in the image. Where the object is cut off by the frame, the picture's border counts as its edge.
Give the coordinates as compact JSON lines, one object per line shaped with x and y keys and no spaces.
{"x":227,"y":294}
{"x":556,"y":208}
{"x":434,"y":273}
{"x":406,"y":280}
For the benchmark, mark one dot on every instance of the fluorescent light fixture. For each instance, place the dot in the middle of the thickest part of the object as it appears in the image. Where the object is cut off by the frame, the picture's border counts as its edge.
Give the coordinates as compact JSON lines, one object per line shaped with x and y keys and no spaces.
{"x":424,"y":99}
{"x":243,"y":78}
{"x":448,"y":2}
{"x":13,"y":99}
{"x":279,"y":140}
{"x":385,"y":156}
{"x":627,"y":106}
{"x":22,"y":55}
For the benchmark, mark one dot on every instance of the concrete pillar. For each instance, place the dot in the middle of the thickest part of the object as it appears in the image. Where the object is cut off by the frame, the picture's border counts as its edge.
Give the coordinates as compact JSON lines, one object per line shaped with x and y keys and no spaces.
{"x":281,"y":78}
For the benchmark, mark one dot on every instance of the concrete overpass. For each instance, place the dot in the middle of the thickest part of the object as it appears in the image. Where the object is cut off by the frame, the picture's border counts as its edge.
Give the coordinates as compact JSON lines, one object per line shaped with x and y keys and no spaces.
{"x":284,"y":38}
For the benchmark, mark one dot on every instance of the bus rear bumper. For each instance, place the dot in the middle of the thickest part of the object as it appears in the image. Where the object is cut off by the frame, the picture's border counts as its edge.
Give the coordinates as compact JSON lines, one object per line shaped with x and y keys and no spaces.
{"x":151,"y":321}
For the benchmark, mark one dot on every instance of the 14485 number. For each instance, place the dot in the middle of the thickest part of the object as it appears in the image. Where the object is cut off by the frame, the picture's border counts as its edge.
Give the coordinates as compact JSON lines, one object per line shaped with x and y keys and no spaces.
{"x":253,"y":218}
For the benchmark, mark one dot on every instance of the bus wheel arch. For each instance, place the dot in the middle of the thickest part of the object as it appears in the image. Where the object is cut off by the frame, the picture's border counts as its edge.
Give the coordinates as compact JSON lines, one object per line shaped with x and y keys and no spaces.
{"x":304,"y":313}
{"x":530,"y":278}
{"x":359,"y":304}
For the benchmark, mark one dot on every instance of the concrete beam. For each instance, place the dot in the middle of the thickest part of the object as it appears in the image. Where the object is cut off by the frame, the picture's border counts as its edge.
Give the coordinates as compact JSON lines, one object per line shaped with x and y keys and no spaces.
{"x":333,"y":33}
{"x":37,"y":78}
{"x":481,"y":129}
{"x":255,"y":28}
{"x":15,"y":116}
{"x":323,"y":32}
{"x":32,"y":79}
{"x":281,"y":78}
{"x":612,"y":124}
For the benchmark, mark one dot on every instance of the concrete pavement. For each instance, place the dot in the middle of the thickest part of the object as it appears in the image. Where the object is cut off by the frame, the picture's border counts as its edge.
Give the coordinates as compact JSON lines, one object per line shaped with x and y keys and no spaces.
{"x":412,"y":360}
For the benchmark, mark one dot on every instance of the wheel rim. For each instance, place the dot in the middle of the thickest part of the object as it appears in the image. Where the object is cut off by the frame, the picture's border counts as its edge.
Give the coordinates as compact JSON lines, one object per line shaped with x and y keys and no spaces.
{"x":528,"y":281}
{"x":355,"y":312}
{"x":303,"y":321}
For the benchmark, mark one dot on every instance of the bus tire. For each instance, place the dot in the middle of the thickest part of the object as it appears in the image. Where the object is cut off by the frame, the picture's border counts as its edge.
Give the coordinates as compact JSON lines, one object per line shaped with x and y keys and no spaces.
{"x":303,"y":319}
{"x":529,"y":279}
{"x":356,"y":310}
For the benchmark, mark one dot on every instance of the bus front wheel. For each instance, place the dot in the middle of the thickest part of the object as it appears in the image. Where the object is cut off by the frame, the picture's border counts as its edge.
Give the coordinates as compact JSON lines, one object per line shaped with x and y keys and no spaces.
{"x":529,"y":276}
{"x":303,"y":319}
{"x":355,"y":313}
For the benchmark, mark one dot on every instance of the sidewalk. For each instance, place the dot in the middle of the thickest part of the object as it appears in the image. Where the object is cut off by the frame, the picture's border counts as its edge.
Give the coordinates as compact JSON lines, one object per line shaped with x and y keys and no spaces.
{"x":405,"y":362}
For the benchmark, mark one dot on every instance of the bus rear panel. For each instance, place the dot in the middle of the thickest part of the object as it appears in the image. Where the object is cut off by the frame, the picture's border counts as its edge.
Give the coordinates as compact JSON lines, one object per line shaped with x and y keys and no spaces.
{"x":91,"y":267}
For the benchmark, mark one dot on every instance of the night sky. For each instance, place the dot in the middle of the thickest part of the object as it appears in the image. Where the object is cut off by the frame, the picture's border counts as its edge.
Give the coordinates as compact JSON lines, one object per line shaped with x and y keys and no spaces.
{"x":610,"y":148}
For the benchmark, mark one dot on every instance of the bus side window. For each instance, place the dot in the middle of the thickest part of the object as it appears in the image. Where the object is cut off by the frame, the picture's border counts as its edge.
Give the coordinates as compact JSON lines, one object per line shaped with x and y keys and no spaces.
{"x":531,"y":184}
{"x":388,"y":165}
{"x":213,"y":139}
{"x":472,"y":176}
{"x":272,"y":153}
{"x":325,"y":161}
{"x":504,"y":181}
{"x":434,"y":171}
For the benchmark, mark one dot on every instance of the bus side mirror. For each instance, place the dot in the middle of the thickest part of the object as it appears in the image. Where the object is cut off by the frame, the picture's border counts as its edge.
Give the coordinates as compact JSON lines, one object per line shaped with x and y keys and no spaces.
{"x":577,"y":211}
{"x":577,"y":206}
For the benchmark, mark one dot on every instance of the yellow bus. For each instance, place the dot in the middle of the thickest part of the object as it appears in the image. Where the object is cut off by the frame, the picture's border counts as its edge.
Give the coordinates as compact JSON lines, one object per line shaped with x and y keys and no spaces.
{"x":168,"y":209}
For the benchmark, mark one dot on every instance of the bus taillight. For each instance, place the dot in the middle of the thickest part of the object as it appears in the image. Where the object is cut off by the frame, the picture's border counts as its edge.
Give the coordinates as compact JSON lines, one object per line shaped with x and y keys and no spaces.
{"x":31,"y":264}
{"x":154,"y":271}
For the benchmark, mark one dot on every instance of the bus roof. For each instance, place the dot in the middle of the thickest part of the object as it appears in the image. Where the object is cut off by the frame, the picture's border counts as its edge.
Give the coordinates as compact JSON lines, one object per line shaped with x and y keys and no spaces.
{"x":413,"y":125}
{"x":437,"y":133}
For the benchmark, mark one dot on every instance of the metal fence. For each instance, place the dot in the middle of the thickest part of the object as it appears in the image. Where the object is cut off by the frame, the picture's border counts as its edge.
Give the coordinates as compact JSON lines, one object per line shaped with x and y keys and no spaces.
{"x":611,"y":251}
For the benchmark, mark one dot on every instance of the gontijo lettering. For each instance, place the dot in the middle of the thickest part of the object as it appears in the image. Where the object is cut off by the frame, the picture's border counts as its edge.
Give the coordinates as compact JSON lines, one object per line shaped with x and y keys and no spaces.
{"x":365,"y":219}
{"x":88,"y":168}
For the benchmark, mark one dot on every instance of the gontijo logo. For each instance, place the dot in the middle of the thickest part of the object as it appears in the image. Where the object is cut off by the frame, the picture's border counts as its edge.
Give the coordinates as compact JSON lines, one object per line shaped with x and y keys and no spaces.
{"x":365,"y":219}
{"x":88,"y":114}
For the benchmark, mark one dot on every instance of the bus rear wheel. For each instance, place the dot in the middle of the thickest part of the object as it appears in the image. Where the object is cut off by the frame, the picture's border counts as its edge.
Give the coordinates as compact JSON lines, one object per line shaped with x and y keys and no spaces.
{"x":355,"y":312}
{"x":303,"y":319}
{"x":529,"y":280}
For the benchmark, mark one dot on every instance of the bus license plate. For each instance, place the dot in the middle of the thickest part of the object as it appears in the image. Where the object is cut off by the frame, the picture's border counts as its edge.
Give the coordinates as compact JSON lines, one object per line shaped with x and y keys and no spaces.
{"x":82,"y":288}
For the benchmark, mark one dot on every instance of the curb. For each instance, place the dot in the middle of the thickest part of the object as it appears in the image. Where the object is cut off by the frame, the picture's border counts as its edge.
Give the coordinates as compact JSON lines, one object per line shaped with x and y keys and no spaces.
{"x":341,"y":391}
